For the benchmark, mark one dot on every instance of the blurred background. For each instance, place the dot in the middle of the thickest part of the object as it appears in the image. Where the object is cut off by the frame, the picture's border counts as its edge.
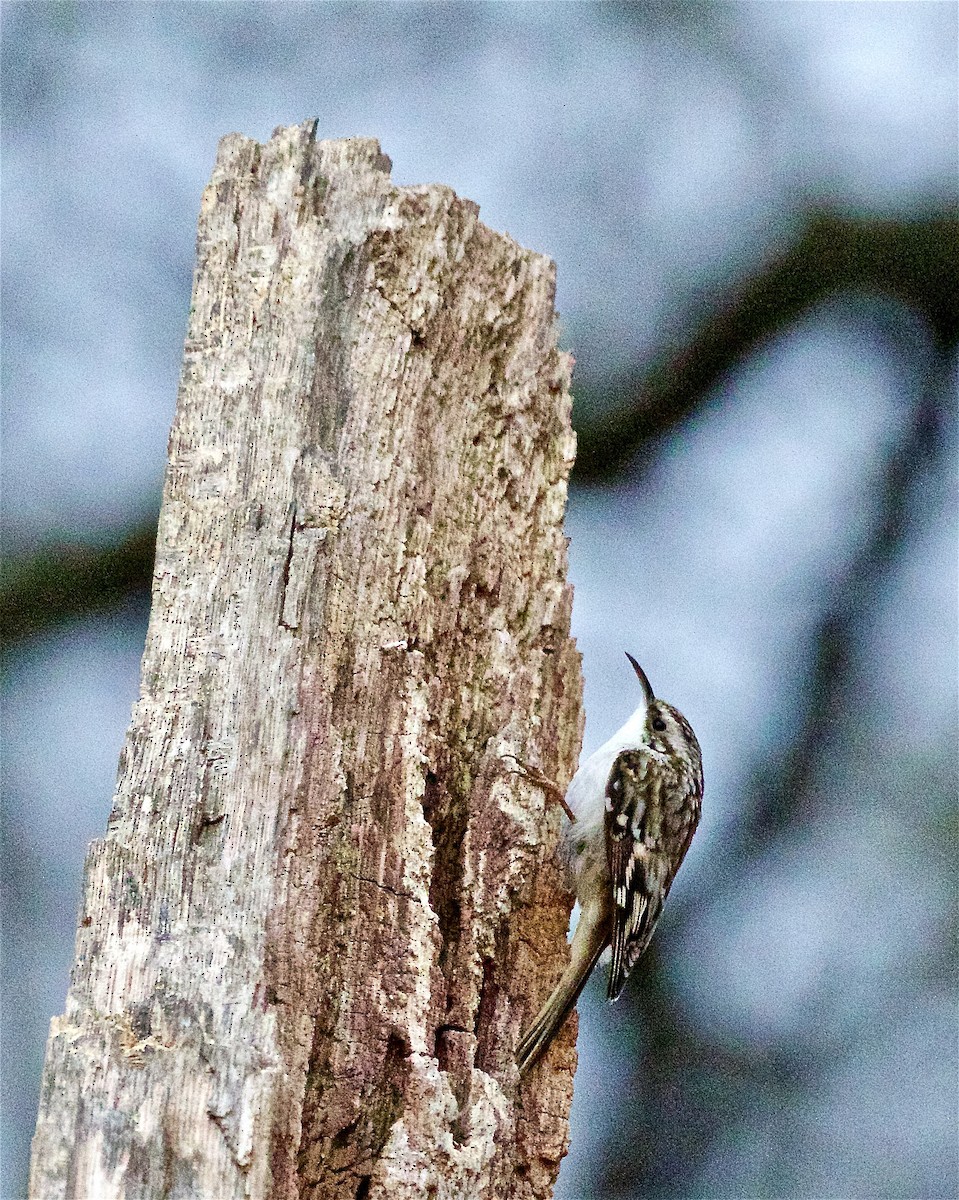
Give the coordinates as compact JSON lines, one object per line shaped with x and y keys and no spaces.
{"x":753,"y":211}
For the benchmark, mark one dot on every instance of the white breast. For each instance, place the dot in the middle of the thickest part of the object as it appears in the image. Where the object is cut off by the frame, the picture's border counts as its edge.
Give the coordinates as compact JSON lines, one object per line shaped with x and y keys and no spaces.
{"x":584,"y":840}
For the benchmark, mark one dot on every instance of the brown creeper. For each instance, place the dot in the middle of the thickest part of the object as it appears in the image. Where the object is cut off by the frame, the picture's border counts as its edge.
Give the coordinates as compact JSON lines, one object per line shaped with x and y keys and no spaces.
{"x":637,"y":802}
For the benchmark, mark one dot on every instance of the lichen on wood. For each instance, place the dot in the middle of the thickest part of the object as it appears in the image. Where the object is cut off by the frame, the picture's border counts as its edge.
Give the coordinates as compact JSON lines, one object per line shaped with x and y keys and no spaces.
{"x":326,"y":903}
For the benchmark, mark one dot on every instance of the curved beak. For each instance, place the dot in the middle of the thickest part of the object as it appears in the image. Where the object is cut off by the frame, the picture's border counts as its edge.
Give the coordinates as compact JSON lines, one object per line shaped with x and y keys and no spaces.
{"x":641,"y":676}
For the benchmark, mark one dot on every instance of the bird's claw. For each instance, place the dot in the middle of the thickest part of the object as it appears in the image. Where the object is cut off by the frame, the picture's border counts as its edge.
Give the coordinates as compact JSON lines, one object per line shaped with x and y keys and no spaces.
{"x":549,"y":786}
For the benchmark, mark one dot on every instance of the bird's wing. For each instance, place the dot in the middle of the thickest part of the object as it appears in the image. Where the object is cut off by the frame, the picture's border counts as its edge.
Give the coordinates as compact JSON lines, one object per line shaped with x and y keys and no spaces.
{"x":652,"y":811}
{"x":632,"y":798}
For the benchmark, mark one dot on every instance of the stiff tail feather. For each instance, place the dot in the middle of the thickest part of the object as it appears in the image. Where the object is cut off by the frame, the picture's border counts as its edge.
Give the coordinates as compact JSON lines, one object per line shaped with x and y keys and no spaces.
{"x":589,"y":941}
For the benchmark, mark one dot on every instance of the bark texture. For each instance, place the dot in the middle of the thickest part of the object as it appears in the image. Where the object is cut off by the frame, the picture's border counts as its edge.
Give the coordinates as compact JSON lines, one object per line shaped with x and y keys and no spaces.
{"x":325,"y":905}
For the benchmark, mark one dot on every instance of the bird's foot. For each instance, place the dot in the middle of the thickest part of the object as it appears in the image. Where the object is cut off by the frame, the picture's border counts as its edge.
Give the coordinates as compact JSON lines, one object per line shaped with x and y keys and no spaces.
{"x":549,"y":786}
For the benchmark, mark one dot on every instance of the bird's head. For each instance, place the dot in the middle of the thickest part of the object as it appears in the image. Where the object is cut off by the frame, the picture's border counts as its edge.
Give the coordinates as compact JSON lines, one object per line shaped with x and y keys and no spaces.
{"x":666,"y":730}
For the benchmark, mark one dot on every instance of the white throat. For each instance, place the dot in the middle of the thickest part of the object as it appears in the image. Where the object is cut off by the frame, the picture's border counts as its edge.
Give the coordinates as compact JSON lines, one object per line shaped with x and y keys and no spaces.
{"x":588,"y":787}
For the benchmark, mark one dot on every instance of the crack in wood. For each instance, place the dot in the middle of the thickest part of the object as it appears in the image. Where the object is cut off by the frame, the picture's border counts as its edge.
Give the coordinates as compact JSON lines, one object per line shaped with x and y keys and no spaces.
{"x":385,"y":887}
{"x":287,"y":566}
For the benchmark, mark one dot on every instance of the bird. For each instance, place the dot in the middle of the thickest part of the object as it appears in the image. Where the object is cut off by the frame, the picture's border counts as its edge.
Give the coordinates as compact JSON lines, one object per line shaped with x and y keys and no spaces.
{"x":636,"y":802}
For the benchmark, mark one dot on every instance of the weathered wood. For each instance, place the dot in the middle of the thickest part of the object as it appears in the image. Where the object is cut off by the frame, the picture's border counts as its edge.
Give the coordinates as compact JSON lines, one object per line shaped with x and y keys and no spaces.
{"x":324,"y":905}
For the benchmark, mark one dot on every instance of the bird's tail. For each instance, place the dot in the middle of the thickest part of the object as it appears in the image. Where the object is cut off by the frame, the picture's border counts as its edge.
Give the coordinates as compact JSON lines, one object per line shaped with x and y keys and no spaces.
{"x":589,"y":941}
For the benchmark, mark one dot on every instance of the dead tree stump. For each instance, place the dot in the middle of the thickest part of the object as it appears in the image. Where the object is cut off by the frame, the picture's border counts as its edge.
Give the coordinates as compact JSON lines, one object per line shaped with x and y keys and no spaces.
{"x":325,"y":906}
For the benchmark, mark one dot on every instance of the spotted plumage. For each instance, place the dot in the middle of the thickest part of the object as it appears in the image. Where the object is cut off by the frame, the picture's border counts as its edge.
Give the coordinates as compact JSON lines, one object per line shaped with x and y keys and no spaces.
{"x":637,"y":803}
{"x":653,"y":801}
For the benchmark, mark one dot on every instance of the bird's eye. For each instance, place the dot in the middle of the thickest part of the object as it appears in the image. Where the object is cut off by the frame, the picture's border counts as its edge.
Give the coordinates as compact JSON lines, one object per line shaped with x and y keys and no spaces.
{"x":659,"y":725}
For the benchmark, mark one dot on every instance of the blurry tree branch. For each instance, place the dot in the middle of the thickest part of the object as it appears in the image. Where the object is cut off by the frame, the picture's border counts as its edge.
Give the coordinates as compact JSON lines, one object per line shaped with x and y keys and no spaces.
{"x":913,"y":260}
{"x":783,"y":789}
{"x":671,"y":1058}
{"x":42,"y":590}
{"x":916,"y":260}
